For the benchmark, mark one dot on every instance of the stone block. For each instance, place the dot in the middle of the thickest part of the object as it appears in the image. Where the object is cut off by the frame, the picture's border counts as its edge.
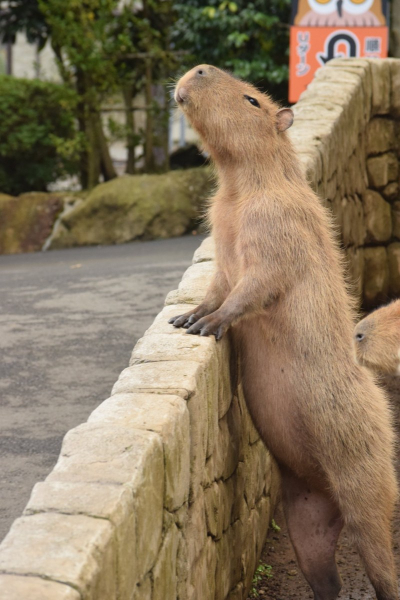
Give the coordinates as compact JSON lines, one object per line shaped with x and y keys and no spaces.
{"x":394,"y":64}
{"x":144,"y":590}
{"x":154,"y":348}
{"x":179,"y":378}
{"x":393,"y":252}
{"x":229,"y":563}
{"x":396,"y":219}
{"x":182,"y":568}
{"x":164,"y":572}
{"x":204,"y":573}
{"x":114,"y":503}
{"x":74,"y":549}
{"x":237,"y":482}
{"x":378,"y":219}
{"x":13,"y":587}
{"x":257,"y":473}
{"x":228,"y":370}
{"x":238,"y":593}
{"x":263,"y":508}
{"x":380,"y":135}
{"x":376,"y":276}
{"x":194,"y":284}
{"x":381,"y":86}
{"x":109,"y":454}
{"x":391,"y":192}
{"x":250,"y":550}
{"x":219,"y":501}
{"x":206,"y":251}
{"x":167,"y":416}
{"x":196,"y":529}
{"x":228,"y":447}
{"x":355,"y":172}
{"x":382,"y":170}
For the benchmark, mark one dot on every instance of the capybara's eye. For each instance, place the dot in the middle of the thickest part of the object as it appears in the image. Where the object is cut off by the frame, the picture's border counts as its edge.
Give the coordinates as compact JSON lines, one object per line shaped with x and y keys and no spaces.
{"x":252,"y":101}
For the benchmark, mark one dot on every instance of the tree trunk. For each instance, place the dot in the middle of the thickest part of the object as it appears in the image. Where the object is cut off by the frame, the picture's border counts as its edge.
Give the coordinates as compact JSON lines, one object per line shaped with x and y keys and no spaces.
{"x":130,"y":129}
{"x":160,"y":128}
{"x":148,"y":141}
{"x":90,"y":156}
{"x":107,"y":167}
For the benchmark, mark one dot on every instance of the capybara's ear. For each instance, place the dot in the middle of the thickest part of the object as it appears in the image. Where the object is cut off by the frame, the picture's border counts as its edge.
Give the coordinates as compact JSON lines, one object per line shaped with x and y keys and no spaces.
{"x":284,"y":119}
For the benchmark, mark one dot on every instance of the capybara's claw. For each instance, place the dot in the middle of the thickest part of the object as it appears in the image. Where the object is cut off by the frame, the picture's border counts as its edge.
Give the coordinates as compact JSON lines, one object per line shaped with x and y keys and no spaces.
{"x":206,"y":327}
{"x":177,"y":321}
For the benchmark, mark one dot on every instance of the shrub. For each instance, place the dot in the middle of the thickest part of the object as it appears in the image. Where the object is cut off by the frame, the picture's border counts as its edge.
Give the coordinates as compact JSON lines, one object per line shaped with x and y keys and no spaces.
{"x":38,"y":138}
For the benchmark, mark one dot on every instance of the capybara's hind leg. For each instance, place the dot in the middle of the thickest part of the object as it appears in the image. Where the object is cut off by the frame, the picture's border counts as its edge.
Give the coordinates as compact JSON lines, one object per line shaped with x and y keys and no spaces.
{"x":314,"y":525}
{"x":374,"y":543}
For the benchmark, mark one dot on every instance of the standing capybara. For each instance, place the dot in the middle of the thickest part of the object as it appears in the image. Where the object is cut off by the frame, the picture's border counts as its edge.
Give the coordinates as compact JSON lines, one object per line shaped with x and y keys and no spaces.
{"x":279,"y":285}
{"x":377,"y":340}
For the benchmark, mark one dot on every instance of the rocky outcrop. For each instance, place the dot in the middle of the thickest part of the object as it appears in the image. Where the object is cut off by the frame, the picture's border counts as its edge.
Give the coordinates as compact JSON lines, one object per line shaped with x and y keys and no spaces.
{"x":135,"y":207}
{"x":27,"y":220}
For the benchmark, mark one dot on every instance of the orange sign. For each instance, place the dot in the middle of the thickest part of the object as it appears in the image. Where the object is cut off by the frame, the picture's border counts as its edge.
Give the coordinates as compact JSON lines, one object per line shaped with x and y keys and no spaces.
{"x":312,"y":47}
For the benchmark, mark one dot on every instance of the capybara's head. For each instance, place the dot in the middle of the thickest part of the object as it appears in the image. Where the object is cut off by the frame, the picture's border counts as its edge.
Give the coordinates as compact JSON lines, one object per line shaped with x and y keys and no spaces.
{"x":234,"y":119}
{"x":377,"y":340}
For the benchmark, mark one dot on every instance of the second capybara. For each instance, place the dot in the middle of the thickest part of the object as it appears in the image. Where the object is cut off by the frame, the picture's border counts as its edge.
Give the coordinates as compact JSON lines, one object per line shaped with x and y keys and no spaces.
{"x":377,"y":340}
{"x":279,"y":287}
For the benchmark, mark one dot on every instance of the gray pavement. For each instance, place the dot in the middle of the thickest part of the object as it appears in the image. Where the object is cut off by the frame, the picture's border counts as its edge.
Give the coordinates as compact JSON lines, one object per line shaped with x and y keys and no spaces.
{"x":68,"y":322}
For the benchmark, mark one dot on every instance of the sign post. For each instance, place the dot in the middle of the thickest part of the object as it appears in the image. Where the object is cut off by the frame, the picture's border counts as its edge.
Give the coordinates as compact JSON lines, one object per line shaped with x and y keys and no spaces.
{"x":325,"y":29}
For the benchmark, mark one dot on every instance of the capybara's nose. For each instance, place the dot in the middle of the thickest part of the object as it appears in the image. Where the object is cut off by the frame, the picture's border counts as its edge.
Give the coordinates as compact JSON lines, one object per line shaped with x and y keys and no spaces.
{"x":359,"y":337}
{"x":181,"y":94}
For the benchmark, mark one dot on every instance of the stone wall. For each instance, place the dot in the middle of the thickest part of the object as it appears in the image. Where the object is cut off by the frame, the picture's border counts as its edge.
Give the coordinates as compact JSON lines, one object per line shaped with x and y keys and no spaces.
{"x":347,"y":133}
{"x":167,"y":491}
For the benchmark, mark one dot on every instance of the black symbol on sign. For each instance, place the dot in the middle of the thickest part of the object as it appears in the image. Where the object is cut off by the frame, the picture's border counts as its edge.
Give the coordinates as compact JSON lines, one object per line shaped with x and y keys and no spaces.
{"x":331,"y":44}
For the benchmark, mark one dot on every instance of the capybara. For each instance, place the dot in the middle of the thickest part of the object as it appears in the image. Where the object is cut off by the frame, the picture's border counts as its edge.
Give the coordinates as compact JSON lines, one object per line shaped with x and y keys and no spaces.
{"x":279,"y":285}
{"x":377,"y":340}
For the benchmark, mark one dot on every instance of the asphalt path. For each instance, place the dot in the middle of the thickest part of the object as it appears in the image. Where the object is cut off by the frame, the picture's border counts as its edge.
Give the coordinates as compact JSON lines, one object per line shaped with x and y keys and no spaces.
{"x":68,"y":322}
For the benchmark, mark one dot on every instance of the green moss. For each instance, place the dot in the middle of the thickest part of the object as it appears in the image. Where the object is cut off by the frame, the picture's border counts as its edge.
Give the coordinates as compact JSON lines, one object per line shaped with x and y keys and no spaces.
{"x":137,"y":207}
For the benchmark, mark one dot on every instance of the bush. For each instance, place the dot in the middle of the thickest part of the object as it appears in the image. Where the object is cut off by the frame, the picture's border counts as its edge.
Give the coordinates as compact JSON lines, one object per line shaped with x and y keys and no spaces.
{"x":38,"y":138}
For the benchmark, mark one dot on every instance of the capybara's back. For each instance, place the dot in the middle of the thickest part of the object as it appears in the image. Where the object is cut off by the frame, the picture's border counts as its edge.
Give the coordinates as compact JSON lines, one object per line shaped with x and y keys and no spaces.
{"x":377,"y":340}
{"x":279,"y":287}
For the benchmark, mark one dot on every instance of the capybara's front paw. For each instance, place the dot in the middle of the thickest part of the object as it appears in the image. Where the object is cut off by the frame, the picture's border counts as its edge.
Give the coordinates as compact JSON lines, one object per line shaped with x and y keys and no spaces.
{"x":183,"y":320}
{"x":210,"y":325}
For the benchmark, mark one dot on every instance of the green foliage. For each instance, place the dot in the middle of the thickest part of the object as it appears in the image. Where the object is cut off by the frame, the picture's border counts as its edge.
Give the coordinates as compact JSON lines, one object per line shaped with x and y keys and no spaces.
{"x":38,"y":139}
{"x":261,"y":573}
{"x":275,"y":526}
{"x":251,"y":39}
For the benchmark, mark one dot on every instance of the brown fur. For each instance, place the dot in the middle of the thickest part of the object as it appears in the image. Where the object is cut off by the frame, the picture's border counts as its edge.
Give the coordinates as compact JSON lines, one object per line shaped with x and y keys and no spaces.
{"x":377,"y":340}
{"x":279,"y":285}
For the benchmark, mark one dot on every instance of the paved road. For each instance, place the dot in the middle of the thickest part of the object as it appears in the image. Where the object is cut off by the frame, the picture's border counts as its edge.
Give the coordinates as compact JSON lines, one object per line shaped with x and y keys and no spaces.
{"x":68,"y":322}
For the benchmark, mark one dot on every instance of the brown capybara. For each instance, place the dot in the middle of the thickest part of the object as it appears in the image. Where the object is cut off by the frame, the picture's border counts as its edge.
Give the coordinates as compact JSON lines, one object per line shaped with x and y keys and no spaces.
{"x":377,"y":340}
{"x":279,"y":285}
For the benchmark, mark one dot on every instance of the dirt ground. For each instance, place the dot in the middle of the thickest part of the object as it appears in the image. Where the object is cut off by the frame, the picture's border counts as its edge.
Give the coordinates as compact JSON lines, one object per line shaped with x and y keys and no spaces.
{"x":288,"y":583}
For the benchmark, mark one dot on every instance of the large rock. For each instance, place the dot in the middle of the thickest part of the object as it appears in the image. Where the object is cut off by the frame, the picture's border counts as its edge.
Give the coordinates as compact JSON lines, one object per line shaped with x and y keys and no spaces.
{"x":27,"y":220}
{"x":136,"y":207}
